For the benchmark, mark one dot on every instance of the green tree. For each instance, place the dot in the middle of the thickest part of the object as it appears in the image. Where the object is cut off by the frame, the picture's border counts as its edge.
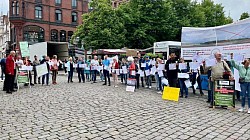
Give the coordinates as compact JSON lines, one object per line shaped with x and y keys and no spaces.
{"x":214,"y":13}
{"x":102,"y":28}
{"x":244,"y":15}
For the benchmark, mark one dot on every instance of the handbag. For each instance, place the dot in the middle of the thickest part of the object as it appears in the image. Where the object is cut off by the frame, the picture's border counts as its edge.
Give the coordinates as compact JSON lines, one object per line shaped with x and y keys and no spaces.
{"x":242,"y":80}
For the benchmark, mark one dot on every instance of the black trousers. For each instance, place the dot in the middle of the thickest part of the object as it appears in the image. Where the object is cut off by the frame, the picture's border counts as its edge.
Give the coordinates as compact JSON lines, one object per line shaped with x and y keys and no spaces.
{"x":106,"y":75}
{"x":9,"y":82}
{"x":137,"y":77}
{"x":199,"y":84}
{"x":81,"y":76}
{"x":172,"y":82}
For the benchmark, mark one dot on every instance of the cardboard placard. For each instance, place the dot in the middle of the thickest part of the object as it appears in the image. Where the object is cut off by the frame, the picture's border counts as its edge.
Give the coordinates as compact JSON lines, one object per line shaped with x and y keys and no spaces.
{"x":131,"y":52}
{"x":171,"y":93}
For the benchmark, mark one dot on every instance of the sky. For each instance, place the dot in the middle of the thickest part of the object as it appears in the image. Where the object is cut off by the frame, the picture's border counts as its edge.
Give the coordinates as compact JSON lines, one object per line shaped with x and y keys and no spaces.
{"x":234,"y":8}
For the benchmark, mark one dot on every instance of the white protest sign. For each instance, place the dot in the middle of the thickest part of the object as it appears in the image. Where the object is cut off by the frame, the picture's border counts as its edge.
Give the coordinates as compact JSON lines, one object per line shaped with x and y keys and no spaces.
{"x":236,"y":77}
{"x":160,"y":73}
{"x":130,"y":88}
{"x":187,"y":83}
{"x":172,"y":66}
{"x":117,"y":71}
{"x":152,"y":62}
{"x":133,"y":73}
{"x":238,"y":58}
{"x":194,"y":65}
{"x":153,"y":70}
{"x":143,"y":65}
{"x":182,"y":66}
{"x":183,"y":75}
{"x":210,"y":63}
{"x":147,"y":72}
{"x":161,"y":66}
{"x":164,"y":81}
{"x":41,"y":70}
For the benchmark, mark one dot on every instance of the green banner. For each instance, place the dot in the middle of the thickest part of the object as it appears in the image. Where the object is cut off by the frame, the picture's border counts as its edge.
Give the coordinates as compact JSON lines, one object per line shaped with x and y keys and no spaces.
{"x":224,"y":93}
{"x":24,"y":47}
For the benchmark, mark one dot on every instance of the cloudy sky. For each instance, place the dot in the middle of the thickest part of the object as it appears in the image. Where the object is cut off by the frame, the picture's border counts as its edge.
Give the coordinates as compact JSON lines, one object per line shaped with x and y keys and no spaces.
{"x":234,"y":7}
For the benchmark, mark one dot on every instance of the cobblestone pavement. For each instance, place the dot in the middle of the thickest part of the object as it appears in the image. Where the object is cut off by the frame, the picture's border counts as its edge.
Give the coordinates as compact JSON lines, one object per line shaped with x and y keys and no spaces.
{"x":92,"y":111}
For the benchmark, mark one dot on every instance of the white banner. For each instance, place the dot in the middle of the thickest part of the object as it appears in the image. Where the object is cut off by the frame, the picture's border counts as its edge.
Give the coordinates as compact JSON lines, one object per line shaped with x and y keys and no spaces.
{"x":41,"y":69}
{"x":205,"y":52}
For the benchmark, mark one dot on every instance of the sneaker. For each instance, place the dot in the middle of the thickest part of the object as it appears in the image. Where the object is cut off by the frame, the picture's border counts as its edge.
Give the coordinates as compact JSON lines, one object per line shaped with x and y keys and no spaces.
{"x":159,"y":92}
{"x":150,"y":87}
{"x":241,"y":109}
{"x":248,"y":111}
{"x":146,"y":86}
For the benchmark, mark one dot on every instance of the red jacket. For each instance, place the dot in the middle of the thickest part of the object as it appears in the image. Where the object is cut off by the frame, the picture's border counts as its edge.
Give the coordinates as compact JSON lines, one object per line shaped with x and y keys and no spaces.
{"x":10,"y":65}
{"x":116,"y":65}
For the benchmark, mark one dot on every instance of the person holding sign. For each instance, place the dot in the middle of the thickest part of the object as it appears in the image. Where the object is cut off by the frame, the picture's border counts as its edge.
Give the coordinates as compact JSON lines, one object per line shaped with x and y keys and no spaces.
{"x":9,"y":73}
{"x":172,"y":70}
{"x":70,"y":69}
{"x":217,"y":72}
{"x":115,"y":66}
{"x":132,"y":72}
{"x":141,"y":60}
{"x":54,"y":69}
{"x":244,"y":80}
{"x":159,"y":75}
{"x":87,"y":69}
{"x":36,"y":63}
{"x":124,"y":75}
{"x":80,"y":70}
{"x":182,"y":80}
{"x":46,"y":61}
{"x":27,"y":62}
{"x":94,"y":65}
{"x":106,"y":67}
{"x":147,"y":71}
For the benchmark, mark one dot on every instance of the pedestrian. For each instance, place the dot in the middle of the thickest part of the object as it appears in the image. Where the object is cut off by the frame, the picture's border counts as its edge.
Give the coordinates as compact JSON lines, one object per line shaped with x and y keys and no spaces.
{"x":87,"y":70}
{"x":217,"y":72}
{"x":64,"y":66}
{"x":147,"y":71}
{"x":244,"y":72}
{"x":54,"y":69}
{"x":45,"y":60}
{"x":27,"y":62}
{"x":196,"y":78}
{"x":115,"y":69}
{"x":158,"y":76}
{"x":3,"y":65}
{"x":101,"y":70}
{"x":183,"y":86}
{"x":36,"y":62}
{"x":124,"y":76}
{"x":141,"y":60}
{"x":70,"y":69}
{"x":80,"y":70}
{"x":106,"y":68}
{"x":132,"y":68}
{"x":171,"y":67}
{"x":10,"y":72}
{"x":94,"y":66}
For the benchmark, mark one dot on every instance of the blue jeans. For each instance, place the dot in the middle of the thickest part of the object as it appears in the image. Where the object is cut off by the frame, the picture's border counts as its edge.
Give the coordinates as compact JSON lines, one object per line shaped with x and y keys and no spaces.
{"x":124,"y":78}
{"x":47,"y":78}
{"x":158,"y":82}
{"x":93,"y":72}
{"x":148,"y":81}
{"x":183,"y":87}
{"x":101,"y":75}
{"x":70,"y":76}
{"x":245,"y":92}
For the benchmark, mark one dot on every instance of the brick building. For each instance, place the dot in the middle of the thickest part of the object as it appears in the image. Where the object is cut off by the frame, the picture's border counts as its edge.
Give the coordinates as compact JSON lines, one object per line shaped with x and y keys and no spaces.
{"x":44,"y":20}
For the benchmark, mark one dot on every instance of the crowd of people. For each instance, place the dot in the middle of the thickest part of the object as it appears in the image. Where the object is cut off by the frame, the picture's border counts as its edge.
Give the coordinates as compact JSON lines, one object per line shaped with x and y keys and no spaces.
{"x":142,"y":69}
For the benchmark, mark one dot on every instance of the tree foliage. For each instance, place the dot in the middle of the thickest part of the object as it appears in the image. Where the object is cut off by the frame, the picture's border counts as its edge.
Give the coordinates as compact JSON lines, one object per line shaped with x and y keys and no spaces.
{"x":140,"y":23}
{"x":244,"y":15}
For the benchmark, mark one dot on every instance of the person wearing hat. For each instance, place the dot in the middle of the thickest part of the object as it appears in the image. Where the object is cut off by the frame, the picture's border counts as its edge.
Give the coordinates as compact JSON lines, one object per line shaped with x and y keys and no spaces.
{"x":36,"y":62}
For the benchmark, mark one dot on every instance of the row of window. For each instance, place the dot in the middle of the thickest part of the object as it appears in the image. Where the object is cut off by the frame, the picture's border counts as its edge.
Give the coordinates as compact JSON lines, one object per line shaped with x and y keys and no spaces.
{"x":73,"y":3}
{"x":58,"y":14}
{"x":36,"y":34}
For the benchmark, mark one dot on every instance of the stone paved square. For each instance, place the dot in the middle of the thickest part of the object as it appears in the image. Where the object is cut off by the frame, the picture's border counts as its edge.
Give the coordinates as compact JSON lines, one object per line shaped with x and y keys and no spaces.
{"x":79,"y":111}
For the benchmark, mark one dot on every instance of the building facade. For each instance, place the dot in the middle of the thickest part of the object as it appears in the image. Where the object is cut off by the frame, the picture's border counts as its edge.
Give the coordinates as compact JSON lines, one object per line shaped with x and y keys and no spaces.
{"x":4,"y":33}
{"x":44,"y":20}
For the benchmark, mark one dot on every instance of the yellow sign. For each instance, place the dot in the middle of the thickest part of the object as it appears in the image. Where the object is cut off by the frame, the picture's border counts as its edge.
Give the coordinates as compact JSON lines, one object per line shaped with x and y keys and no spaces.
{"x":170,"y":93}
